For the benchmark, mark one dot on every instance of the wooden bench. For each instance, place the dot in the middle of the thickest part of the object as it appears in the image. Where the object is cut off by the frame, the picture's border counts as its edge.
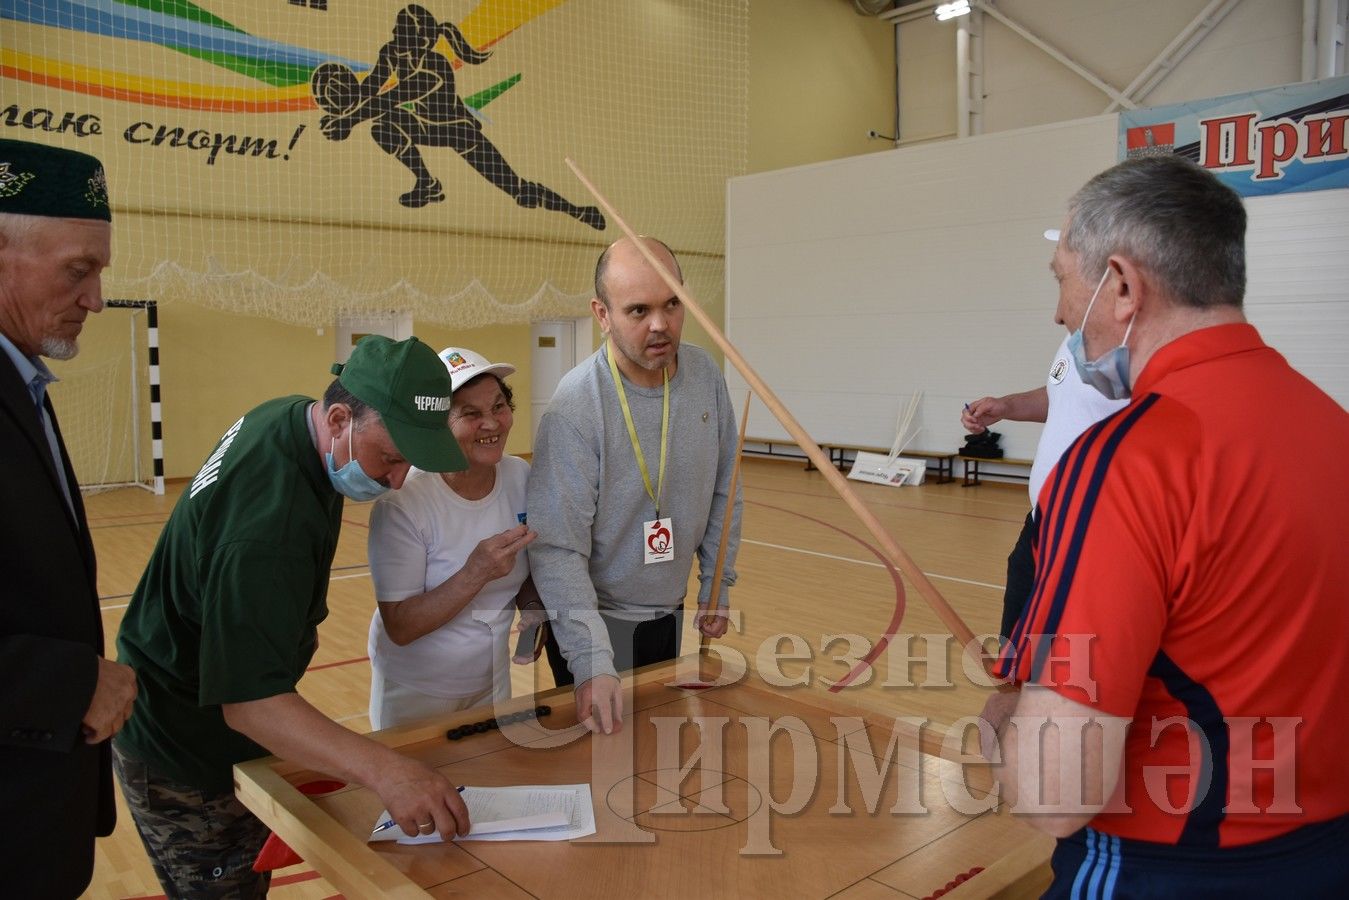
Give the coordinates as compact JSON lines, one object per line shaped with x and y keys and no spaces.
{"x":972,"y":464}
{"x":775,"y":447}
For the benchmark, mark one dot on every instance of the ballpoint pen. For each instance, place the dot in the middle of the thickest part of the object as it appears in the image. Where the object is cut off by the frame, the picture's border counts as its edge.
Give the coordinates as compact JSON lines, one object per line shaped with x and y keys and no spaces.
{"x":391,"y":823}
{"x":385,"y":827}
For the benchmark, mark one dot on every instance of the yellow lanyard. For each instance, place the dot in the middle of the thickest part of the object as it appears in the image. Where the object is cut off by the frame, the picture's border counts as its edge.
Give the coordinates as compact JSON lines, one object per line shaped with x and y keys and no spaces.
{"x":632,"y":429}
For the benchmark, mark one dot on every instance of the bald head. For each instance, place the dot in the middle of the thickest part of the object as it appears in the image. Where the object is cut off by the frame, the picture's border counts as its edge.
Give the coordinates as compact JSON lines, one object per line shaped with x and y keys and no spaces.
{"x":619,"y":259}
{"x":640,"y":315}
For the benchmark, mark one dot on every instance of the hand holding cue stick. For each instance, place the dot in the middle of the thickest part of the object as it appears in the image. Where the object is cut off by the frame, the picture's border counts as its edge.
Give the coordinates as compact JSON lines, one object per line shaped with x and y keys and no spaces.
{"x":803,"y":440}
{"x":704,"y":639}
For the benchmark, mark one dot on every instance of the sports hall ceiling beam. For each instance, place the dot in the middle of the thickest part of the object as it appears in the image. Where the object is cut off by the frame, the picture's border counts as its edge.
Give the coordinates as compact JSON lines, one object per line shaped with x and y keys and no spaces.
{"x":1189,"y":37}
{"x":1034,"y":39}
{"x":910,"y":11}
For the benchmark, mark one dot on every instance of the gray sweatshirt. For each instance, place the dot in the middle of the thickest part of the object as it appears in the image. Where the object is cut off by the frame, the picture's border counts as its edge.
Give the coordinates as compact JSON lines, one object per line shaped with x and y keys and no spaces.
{"x":587,"y":501}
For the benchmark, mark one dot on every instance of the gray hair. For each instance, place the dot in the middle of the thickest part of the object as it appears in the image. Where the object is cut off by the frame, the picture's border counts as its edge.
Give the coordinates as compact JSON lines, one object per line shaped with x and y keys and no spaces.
{"x":1168,"y":215}
{"x":602,"y":267}
{"x":14,"y":227}
{"x":362,"y":413}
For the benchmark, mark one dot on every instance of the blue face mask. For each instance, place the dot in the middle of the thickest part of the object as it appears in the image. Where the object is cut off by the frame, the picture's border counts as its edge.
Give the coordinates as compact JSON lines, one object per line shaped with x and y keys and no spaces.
{"x":351,"y":481}
{"x":1109,"y":373}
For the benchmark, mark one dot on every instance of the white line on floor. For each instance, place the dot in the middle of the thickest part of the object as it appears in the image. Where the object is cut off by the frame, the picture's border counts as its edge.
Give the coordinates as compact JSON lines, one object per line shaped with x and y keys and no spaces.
{"x":867,"y":562}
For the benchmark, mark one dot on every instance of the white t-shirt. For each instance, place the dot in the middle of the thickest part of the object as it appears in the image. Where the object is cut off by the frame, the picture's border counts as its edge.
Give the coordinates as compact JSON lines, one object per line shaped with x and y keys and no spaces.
{"x":1073,"y":408}
{"x":422,"y":534}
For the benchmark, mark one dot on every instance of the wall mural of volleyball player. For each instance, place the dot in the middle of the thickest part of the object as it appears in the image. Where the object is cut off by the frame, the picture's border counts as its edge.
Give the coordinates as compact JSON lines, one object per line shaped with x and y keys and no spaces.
{"x":423,"y":109}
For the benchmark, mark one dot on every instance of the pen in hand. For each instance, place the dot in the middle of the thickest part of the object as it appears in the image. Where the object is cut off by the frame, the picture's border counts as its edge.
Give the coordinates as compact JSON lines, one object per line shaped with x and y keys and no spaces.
{"x":385,"y":827}
{"x":391,"y":823}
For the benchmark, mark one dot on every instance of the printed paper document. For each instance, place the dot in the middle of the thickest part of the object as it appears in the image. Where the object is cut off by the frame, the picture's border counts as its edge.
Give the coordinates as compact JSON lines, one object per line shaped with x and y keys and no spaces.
{"x":531,"y":812}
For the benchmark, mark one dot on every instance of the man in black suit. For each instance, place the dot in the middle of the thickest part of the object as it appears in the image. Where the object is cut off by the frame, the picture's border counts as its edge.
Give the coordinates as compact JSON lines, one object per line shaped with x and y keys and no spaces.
{"x":60,"y":699}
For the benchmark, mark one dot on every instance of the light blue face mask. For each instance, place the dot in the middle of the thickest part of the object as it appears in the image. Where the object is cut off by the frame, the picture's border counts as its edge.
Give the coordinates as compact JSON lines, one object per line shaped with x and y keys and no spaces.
{"x":351,"y":481}
{"x":1109,"y":373}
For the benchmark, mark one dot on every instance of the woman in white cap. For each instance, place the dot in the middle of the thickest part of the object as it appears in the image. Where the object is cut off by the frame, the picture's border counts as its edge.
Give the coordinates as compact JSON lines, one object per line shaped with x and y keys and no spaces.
{"x":447,"y":560}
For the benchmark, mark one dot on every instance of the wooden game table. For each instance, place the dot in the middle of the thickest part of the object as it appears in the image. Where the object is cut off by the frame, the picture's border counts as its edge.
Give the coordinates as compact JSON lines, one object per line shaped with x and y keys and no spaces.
{"x":739,"y":790}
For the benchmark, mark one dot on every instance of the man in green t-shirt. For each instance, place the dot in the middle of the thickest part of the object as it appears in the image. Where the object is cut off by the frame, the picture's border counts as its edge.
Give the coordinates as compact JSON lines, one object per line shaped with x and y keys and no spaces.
{"x":224,"y":621}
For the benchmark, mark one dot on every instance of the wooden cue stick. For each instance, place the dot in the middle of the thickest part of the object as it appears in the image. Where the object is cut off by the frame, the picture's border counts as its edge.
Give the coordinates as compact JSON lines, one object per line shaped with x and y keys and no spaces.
{"x":726,"y":519}
{"x":803,"y":440}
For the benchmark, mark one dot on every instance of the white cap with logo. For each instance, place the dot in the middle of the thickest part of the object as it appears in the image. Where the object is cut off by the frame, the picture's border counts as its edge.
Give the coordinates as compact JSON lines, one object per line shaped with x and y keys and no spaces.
{"x":465,"y":365}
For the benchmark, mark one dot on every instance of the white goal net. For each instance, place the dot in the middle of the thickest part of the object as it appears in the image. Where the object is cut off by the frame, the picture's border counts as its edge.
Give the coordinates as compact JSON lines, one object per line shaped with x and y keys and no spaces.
{"x":103,"y":402}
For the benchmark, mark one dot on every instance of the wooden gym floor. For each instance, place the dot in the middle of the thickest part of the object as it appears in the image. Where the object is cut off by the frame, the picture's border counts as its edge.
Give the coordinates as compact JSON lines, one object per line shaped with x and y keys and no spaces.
{"x":812,"y":588}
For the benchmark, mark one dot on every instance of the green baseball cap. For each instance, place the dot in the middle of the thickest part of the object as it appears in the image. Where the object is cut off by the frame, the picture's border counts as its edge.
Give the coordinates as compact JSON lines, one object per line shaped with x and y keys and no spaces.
{"x":408,"y":385}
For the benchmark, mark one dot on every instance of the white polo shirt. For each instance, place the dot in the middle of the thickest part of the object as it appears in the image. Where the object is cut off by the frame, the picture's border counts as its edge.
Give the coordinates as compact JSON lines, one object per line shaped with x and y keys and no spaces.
{"x":1073,"y":407}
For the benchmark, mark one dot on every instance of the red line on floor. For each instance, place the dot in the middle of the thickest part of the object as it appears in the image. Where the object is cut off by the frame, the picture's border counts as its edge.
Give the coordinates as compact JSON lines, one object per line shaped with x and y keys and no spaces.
{"x":140,"y":515}
{"x":895,"y":619}
{"x":98,"y":523}
{"x":333,"y":665}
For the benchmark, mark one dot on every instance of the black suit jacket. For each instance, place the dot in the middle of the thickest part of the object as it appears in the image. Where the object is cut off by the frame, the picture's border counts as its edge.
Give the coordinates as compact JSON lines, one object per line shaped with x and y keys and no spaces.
{"x":55,"y":790}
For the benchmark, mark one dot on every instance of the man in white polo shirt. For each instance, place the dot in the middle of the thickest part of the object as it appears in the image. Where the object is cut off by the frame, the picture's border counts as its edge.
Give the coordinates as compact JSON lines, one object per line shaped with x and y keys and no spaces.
{"x":1067,"y":407}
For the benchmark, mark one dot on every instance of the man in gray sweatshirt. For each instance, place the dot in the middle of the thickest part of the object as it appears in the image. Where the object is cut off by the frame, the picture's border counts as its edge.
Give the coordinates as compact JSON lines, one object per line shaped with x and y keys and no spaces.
{"x":630,"y":480}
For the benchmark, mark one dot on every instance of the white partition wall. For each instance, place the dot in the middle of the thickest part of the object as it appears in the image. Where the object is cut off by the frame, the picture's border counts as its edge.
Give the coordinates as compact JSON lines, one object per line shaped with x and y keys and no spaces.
{"x":852,"y":284}
{"x":1297,"y":282}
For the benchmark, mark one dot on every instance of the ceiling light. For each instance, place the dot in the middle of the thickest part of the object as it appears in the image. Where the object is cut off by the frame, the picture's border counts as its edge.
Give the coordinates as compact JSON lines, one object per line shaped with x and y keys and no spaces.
{"x":946,"y":11}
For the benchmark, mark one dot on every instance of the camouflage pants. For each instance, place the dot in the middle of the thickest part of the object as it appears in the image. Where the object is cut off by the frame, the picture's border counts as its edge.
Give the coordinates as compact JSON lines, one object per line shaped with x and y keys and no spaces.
{"x":202,"y":845}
